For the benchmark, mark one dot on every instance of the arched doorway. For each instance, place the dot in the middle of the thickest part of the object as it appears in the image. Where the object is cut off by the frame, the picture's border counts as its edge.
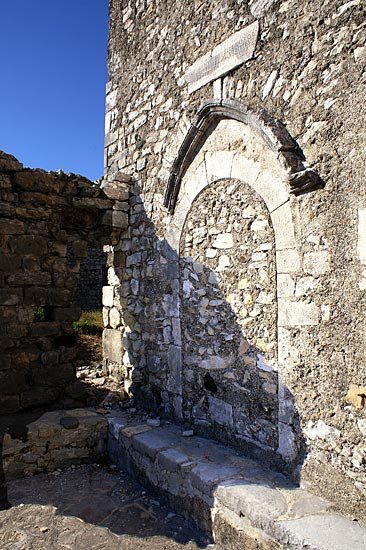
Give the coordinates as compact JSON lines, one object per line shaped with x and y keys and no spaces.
{"x":229,"y":142}
{"x":229,"y":316}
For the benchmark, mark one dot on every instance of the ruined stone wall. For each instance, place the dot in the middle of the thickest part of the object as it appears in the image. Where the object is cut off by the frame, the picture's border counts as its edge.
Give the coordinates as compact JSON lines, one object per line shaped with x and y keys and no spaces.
{"x":47,"y":223}
{"x":92,"y":277}
{"x":299,"y":63}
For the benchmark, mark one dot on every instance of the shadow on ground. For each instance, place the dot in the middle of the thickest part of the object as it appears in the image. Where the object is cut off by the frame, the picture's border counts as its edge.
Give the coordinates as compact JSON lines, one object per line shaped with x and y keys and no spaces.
{"x":103,"y":497}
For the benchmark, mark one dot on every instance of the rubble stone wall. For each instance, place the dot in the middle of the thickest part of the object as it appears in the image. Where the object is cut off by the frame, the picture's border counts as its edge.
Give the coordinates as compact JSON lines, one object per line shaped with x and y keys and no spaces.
{"x":92,"y":277}
{"x":47,"y":223}
{"x":302,"y":64}
{"x":57,"y":439}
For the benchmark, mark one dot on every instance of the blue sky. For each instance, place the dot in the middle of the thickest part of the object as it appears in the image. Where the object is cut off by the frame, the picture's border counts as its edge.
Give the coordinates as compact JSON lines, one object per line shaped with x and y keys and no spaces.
{"x":52,"y":84}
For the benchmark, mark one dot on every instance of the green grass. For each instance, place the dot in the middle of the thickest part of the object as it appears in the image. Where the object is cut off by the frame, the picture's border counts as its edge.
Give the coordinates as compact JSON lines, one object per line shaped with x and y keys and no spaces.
{"x":90,"y":322}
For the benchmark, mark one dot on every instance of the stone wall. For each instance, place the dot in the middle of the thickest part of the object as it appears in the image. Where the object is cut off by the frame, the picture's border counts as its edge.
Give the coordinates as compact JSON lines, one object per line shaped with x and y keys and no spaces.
{"x":228,"y":315}
{"x":47,"y":223}
{"x":92,"y":278}
{"x":285,"y":84}
{"x":57,"y":439}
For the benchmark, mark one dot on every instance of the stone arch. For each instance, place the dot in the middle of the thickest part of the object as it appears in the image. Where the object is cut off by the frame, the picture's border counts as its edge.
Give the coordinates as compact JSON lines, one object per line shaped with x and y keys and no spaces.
{"x":229,"y":141}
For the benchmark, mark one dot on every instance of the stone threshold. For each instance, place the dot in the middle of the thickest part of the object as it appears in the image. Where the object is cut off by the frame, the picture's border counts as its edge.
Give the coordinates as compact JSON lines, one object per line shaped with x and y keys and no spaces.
{"x":232,"y":498}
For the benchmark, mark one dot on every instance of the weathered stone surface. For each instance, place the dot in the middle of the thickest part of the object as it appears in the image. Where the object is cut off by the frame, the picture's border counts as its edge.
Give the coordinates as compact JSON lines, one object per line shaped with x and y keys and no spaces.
{"x":44,"y":329}
{"x":261,"y":504}
{"x":28,"y":244}
{"x":256,"y":502}
{"x":116,"y":219}
{"x":108,"y":293}
{"x":117,"y":191}
{"x":234,"y":51}
{"x":44,"y":238}
{"x":205,"y":476}
{"x":316,"y":263}
{"x":292,"y":313}
{"x":11,"y":227}
{"x":113,"y":345}
{"x":153,"y":441}
{"x":53,"y":441}
{"x":171,"y":459}
{"x":328,"y":532}
{"x":10,"y":263}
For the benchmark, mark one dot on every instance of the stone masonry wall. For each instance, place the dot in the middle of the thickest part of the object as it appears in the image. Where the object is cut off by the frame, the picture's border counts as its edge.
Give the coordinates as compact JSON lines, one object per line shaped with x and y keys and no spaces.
{"x":299,"y":63}
{"x":93,"y":276}
{"x":47,"y":223}
{"x":228,"y":312}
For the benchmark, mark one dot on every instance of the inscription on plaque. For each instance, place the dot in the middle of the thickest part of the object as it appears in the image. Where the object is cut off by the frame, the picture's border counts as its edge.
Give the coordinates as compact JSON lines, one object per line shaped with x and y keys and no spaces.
{"x":231,"y":53}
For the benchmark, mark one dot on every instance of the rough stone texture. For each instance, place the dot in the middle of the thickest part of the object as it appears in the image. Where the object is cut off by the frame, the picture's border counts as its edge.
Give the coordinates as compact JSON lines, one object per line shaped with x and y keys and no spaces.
{"x":48,"y":222}
{"x":228,"y":315}
{"x":55,"y":440}
{"x":92,"y":277}
{"x":307,"y":71}
{"x":227,"y":494}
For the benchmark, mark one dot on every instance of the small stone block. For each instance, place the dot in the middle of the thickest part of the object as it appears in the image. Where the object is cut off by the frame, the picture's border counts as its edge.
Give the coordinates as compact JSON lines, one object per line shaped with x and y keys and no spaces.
{"x":69,"y":422}
{"x":152,"y":442}
{"x":130,"y":431}
{"x":171,"y":459}
{"x":153,"y":422}
{"x":204,"y":476}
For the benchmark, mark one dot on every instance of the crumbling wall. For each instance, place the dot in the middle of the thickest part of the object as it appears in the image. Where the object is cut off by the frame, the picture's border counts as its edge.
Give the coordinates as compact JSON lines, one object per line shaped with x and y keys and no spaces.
{"x":304,"y":65}
{"x":48,"y":222}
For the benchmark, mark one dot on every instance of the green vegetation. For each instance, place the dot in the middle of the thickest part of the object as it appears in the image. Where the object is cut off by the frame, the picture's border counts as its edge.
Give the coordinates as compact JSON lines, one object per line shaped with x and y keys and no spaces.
{"x":39,"y":314}
{"x":90,"y":322}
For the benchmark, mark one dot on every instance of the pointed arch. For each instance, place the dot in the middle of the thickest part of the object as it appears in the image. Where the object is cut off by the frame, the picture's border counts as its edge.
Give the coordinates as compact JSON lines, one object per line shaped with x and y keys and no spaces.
{"x":300,"y":178}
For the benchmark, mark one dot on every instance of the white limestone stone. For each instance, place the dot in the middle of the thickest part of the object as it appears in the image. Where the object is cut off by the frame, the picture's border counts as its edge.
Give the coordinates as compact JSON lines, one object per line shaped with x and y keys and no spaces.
{"x":288,"y":261}
{"x":285,"y":285}
{"x":231,"y":53}
{"x":224,"y":262}
{"x":271,"y":184}
{"x":283,"y":227}
{"x":114,"y":317}
{"x":297,"y":314}
{"x":269,"y":84}
{"x":361,"y":240}
{"x":218,"y":164}
{"x":245,"y":169}
{"x":223,"y":241}
{"x":107,"y":296}
{"x":317,"y":263}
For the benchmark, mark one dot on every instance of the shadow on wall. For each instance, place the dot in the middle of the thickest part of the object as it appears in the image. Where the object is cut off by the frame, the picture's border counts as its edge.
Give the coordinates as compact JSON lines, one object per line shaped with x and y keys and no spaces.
{"x":175,"y":332}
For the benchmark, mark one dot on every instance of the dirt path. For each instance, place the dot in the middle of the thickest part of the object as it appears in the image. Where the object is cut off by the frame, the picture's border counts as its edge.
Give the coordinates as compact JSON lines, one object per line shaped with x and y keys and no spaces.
{"x":90,"y":508}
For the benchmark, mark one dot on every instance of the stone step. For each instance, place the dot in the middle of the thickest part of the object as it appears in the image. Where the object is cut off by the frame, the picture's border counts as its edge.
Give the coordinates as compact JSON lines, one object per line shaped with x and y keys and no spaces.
{"x":235,"y":499}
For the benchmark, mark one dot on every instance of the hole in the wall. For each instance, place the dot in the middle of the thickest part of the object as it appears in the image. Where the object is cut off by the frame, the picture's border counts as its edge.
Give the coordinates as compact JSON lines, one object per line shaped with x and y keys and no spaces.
{"x":42,"y":314}
{"x":209,"y":383}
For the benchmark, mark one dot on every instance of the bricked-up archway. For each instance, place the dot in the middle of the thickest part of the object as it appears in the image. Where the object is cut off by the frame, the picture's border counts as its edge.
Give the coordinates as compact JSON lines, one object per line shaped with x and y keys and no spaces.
{"x":48,"y":222}
{"x":229,"y":314}
{"x":228,"y":140}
